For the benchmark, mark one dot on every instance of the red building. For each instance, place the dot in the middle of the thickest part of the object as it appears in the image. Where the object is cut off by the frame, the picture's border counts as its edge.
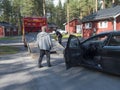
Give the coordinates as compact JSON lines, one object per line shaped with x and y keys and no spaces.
{"x":7,"y":29}
{"x":2,"y":31}
{"x":104,"y":20}
{"x":72,"y":26}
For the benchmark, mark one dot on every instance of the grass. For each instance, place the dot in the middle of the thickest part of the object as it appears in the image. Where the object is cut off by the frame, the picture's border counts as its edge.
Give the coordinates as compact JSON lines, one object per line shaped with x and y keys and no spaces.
{"x":8,"y":50}
{"x":7,"y":38}
{"x":67,"y":35}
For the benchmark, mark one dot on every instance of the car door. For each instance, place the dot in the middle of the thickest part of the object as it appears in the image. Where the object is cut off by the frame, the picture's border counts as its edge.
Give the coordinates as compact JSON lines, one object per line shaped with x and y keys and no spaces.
{"x":72,"y":53}
{"x":92,"y":50}
{"x":111,"y":55}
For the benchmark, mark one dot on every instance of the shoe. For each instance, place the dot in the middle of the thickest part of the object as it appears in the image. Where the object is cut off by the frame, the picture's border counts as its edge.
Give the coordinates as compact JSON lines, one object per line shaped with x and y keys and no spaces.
{"x":49,"y":65}
{"x":40,"y":66}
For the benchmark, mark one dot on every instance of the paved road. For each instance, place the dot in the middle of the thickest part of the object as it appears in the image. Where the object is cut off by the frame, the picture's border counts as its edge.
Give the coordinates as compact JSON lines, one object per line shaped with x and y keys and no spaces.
{"x":20,"y":72}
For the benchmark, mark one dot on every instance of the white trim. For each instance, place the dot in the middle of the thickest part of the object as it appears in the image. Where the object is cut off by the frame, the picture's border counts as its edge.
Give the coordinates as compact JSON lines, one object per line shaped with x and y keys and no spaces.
{"x":116,"y":15}
{"x":114,"y":24}
{"x":103,"y":24}
{"x":88,"y":25}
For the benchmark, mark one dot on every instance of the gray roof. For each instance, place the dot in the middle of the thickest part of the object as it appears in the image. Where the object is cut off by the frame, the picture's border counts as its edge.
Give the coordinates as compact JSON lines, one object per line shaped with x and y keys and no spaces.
{"x":5,"y":24}
{"x":103,"y":14}
{"x":52,"y":25}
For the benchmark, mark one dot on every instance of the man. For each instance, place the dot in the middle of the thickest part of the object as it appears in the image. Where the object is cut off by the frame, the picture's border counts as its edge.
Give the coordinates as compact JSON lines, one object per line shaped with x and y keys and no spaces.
{"x":45,"y":44}
{"x":59,"y":36}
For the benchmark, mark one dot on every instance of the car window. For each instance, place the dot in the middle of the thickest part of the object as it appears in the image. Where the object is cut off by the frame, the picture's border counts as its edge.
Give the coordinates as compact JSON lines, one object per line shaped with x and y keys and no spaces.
{"x":74,"y":43}
{"x":114,"y":41}
{"x":99,"y":39}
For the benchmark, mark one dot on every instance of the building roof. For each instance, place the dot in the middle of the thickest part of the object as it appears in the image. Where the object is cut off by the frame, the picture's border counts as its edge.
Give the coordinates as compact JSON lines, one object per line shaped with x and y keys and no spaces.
{"x":103,"y":14}
{"x":72,"y":21}
{"x":6,"y":24}
{"x":52,"y":25}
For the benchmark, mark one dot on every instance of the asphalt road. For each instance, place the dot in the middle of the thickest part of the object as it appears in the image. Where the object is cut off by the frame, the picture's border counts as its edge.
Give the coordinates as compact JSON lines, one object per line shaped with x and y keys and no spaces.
{"x":20,"y":72}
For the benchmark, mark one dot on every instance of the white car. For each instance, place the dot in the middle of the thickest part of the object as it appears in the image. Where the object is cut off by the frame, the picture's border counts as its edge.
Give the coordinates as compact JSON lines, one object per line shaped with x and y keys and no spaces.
{"x":62,"y":31}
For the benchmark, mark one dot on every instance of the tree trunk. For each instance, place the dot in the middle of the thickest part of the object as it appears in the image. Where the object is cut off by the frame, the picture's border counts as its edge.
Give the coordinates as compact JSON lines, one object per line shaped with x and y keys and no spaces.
{"x":96,"y":6}
{"x":44,"y":8}
{"x":68,"y":17}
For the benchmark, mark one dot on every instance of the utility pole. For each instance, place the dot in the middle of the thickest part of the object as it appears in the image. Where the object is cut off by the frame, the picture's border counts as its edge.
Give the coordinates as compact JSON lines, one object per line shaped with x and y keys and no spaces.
{"x":68,"y":17}
{"x":44,"y":8}
{"x":80,"y":10}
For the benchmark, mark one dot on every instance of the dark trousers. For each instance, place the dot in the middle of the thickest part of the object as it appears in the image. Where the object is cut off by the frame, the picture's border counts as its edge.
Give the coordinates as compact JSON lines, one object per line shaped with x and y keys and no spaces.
{"x":60,"y":40}
{"x":42,"y":53}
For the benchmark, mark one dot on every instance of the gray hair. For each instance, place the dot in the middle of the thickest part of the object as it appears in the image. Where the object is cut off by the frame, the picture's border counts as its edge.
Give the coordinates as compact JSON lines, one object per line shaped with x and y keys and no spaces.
{"x":44,"y":29}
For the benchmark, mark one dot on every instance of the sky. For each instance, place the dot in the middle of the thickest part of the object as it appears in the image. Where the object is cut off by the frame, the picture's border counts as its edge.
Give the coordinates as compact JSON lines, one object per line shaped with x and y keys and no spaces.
{"x":56,"y":2}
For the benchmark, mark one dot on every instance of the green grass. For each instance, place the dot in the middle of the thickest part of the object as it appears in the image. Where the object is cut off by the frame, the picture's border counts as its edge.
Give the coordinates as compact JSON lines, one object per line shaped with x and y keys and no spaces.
{"x":66,"y":35}
{"x":7,"y":38}
{"x":8,"y":50}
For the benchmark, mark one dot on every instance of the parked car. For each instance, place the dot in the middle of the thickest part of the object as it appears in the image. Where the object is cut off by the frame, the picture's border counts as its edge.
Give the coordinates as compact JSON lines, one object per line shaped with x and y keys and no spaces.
{"x":62,"y":31}
{"x":101,"y":52}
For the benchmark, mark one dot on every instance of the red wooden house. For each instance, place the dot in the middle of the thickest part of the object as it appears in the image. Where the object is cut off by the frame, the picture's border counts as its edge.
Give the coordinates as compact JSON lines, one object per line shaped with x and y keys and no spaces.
{"x":72,"y":26}
{"x":104,"y":20}
{"x":2,"y":31}
{"x":7,"y":29}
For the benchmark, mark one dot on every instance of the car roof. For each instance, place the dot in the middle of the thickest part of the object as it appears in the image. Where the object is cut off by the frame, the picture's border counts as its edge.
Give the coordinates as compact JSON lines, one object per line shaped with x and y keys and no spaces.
{"x":109,"y":32}
{"x":100,"y":34}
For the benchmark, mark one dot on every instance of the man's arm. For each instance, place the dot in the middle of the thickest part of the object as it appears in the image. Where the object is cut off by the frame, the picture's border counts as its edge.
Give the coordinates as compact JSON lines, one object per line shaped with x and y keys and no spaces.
{"x":37,"y":39}
{"x":50,"y":41}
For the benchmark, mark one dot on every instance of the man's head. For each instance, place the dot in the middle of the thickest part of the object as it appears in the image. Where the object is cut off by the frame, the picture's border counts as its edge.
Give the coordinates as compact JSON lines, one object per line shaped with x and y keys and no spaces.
{"x":44,"y":29}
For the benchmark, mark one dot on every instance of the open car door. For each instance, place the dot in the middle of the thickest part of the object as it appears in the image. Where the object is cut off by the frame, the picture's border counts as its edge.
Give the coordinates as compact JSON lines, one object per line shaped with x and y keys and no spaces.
{"x":72,"y":53}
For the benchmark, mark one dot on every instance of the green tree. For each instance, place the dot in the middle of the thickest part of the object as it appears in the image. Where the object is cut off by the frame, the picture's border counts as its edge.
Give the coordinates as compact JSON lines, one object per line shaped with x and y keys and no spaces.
{"x":37,"y":7}
{"x":6,"y":8}
{"x":81,"y":8}
{"x":13,"y":10}
{"x":50,"y":10}
{"x":57,"y":13}
{"x":59,"y":10}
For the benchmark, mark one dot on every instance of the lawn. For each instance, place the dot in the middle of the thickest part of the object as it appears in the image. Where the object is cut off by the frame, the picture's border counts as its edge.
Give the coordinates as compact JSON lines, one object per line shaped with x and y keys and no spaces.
{"x":7,"y":38}
{"x":67,"y":35}
{"x":8,"y":50}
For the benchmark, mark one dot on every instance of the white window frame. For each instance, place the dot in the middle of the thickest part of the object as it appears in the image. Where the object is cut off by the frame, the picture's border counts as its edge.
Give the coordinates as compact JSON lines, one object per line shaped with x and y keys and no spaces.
{"x":14,"y":30}
{"x":7,"y":29}
{"x":103,"y":24}
{"x":88,"y":25}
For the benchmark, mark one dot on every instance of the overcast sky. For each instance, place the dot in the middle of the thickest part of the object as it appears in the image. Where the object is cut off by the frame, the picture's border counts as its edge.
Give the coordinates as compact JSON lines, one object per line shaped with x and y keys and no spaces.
{"x":56,"y":1}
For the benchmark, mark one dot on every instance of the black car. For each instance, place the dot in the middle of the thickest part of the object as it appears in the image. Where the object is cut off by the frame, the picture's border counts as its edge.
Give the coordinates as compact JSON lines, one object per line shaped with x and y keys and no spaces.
{"x":101,"y":52}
